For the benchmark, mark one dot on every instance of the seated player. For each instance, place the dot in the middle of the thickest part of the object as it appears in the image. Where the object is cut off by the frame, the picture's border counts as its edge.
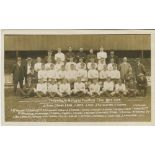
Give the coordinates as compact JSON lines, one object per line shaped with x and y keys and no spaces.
{"x":79,"y":87}
{"x":142,"y":84}
{"x":41,"y":89}
{"x":109,"y":72}
{"x":64,"y":88}
{"x":52,"y":74}
{"x":131,"y":88}
{"x":108,"y":87}
{"x":93,"y":73}
{"x":101,"y":64}
{"x":94,"y":88}
{"x":71,"y":75}
{"x":61,"y":74}
{"x":52,"y":89}
{"x":28,"y":89}
{"x":92,"y":61}
{"x":58,"y":64}
{"x":68,"y":64}
{"x":120,"y":89}
{"x":78,"y":65}
{"x":42,"y":74}
{"x":37,"y":65}
{"x":115,"y":74}
{"x":48,"y":64}
{"x":111,"y":64}
{"x":103,"y":75}
{"x":82,"y":73}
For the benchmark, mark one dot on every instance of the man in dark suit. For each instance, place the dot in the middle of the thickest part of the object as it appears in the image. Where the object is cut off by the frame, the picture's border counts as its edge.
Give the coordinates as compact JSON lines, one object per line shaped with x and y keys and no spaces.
{"x":18,"y":74}
{"x":70,"y":54}
{"x":81,"y":54}
{"x":140,"y":68}
{"x":113,"y":56}
{"x":27,"y":67}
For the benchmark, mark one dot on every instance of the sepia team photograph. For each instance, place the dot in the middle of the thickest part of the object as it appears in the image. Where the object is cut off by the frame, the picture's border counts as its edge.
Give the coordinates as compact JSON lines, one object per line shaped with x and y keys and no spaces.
{"x":77,"y":76}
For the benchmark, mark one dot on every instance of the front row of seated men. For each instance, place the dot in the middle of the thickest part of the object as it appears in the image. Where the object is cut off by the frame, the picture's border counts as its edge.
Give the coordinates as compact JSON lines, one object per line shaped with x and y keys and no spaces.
{"x":92,"y":88}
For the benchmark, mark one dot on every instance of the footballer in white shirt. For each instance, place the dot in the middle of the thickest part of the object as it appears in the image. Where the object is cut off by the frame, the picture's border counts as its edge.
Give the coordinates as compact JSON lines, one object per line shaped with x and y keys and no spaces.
{"x":89,"y":64}
{"x":93,"y":73}
{"x":37,"y":65}
{"x":68,"y":64}
{"x":101,"y":54}
{"x":120,"y":89}
{"x":78,"y":65}
{"x":82,"y":73}
{"x":79,"y":87}
{"x":108,"y":87}
{"x":64,"y":88}
{"x":52,"y":88}
{"x":41,"y":88}
{"x":59,"y":55}
{"x":52,"y":74}
{"x":94,"y":88}
{"x":42,"y":74}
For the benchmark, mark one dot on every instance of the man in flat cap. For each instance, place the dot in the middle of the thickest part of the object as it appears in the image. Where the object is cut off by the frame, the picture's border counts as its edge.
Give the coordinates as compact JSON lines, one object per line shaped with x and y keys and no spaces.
{"x":139,"y":68}
{"x":142,"y":84}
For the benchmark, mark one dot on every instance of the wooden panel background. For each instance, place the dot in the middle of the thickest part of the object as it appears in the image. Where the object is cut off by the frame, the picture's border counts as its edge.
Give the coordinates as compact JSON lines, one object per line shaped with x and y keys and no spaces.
{"x":108,"y":41}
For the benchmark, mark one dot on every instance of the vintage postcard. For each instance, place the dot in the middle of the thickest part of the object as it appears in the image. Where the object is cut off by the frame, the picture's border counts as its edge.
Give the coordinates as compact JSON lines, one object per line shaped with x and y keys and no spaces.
{"x":78,"y":77}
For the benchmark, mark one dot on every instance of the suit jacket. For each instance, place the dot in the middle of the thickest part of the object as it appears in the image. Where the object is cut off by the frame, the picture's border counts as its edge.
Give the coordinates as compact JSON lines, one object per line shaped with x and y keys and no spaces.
{"x":18,"y":72}
{"x":140,"y":69}
{"x":25,"y":68}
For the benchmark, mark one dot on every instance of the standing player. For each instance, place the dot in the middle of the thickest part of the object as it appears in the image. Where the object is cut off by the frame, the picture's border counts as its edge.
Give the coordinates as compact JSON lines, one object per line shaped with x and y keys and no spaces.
{"x":42,"y":74}
{"x":91,"y":55}
{"x":48,"y":64}
{"x":94,"y":88}
{"x":70,"y":53}
{"x":59,"y":56}
{"x":37,"y":65}
{"x":101,"y":54}
{"x":108,"y":87}
{"x":81,"y":54}
{"x":111,"y":64}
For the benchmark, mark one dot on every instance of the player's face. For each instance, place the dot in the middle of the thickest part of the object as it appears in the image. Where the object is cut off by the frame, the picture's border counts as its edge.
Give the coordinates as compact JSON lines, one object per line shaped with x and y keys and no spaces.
{"x":92,"y":60}
{"x":93,"y":66}
{"x":29,"y":80}
{"x":111,"y":53}
{"x":91,"y":51}
{"x":63,"y":68}
{"x":70,"y":49}
{"x":38,"y":59}
{"x":59,"y":50}
{"x":112,"y":60}
{"x":80,"y":60}
{"x":81,"y":49}
{"x":124,"y":59}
